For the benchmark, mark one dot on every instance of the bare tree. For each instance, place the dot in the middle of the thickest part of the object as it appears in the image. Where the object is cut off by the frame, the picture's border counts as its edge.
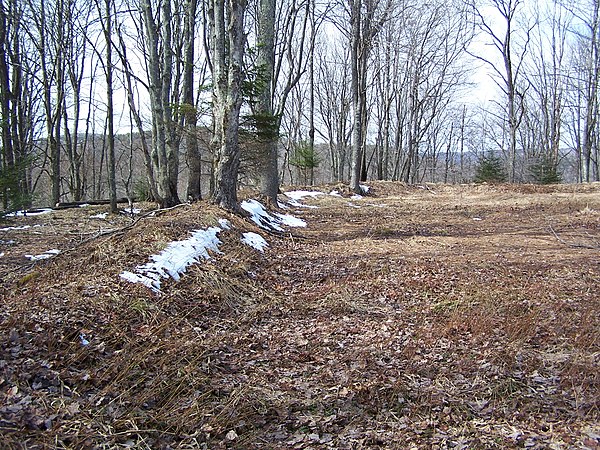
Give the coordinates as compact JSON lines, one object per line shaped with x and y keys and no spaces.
{"x":509,"y":71}
{"x":19,"y":103}
{"x":366,"y":20}
{"x":586,"y":108}
{"x":227,"y":40}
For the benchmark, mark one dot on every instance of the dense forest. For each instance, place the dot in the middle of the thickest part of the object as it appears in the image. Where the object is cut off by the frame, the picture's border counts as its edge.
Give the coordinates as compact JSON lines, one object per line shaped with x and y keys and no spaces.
{"x":176,"y":100}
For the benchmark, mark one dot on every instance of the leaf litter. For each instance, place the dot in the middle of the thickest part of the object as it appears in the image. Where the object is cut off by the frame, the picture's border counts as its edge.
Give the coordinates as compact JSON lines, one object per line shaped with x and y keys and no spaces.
{"x":405,"y":326}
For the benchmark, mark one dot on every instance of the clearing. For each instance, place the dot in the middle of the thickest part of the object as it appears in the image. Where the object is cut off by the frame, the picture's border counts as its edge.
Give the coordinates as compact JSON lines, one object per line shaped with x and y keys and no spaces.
{"x":435,"y":316}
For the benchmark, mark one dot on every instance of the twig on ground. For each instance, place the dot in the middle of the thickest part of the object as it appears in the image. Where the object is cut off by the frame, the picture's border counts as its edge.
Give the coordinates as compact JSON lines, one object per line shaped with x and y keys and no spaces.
{"x":571,"y":244}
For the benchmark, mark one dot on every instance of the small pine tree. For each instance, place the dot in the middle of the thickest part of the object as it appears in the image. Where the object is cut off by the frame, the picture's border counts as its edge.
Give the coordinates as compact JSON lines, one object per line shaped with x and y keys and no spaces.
{"x":307,"y":160}
{"x":490,"y":170}
{"x":545,"y":171}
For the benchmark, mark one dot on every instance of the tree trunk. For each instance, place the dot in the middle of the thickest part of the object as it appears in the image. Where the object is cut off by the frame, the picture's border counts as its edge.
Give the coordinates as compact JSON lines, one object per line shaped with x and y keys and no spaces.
{"x":112,"y":185}
{"x":228,"y":42}
{"x":269,"y":176}
{"x":193,"y":157}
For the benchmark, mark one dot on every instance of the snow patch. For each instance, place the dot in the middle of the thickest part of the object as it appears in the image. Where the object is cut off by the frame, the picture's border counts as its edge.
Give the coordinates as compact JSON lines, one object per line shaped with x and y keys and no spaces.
{"x":24,"y":227}
{"x":260,"y":216}
{"x":131,"y":211}
{"x":296,"y":196}
{"x":103,"y":216}
{"x":299,"y":195}
{"x":356,"y":197}
{"x":175,"y":259}
{"x":46,"y":255}
{"x":335,"y":193}
{"x":1,"y":254}
{"x":36,"y":212}
{"x":225,"y":224}
{"x":290,"y":221}
{"x":255,"y":240}
{"x":364,"y":188}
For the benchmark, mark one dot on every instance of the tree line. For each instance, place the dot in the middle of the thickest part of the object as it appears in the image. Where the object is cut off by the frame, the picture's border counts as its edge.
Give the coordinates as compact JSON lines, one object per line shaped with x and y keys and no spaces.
{"x":191,"y":98}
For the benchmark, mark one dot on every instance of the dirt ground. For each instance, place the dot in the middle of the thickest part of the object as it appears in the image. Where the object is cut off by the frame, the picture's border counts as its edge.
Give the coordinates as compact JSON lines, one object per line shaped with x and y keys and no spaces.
{"x":435,"y":316}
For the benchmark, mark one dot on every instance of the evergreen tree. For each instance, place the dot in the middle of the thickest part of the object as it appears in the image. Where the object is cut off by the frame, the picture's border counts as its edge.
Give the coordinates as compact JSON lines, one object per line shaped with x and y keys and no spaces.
{"x":307,"y":160}
{"x":545,"y":171}
{"x":490,"y":170}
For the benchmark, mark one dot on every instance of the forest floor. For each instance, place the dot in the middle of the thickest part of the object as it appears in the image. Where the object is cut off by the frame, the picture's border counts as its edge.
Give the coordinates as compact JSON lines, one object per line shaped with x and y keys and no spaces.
{"x":431,"y":317}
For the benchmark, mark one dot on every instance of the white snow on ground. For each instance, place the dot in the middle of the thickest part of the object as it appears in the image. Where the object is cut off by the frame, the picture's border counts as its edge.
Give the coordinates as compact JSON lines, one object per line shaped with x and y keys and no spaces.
{"x":299,"y":195}
{"x":290,"y":221}
{"x":38,"y":212}
{"x":84,"y":205}
{"x":46,"y":255}
{"x":175,"y":259}
{"x":255,"y":240}
{"x":1,"y":254}
{"x":335,"y":193}
{"x":24,"y":227}
{"x":296,"y":196}
{"x":131,"y":211}
{"x":297,"y":204}
{"x":364,"y":188}
{"x":99,"y":216}
{"x":263,"y":219}
{"x":179,"y":255}
{"x":356,"y":197}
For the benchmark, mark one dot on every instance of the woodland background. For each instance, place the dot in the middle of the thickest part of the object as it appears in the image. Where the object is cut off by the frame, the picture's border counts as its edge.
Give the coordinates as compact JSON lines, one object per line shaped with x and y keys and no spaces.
{"x":128,"y":98}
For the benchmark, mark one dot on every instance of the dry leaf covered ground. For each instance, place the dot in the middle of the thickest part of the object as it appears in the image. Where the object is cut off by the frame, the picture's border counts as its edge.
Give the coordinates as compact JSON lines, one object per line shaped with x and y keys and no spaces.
{"x":461,"y":317}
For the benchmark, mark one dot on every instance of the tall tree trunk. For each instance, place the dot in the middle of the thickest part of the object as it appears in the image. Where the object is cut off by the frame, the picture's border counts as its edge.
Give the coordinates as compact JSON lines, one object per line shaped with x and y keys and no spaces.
{"x":226,"y":20}
{"x":269,"y":176}
{"x":192,"y":150}
{"x":165,"y":143}
{"x":355,"y":58}
{"x":112,"y":184}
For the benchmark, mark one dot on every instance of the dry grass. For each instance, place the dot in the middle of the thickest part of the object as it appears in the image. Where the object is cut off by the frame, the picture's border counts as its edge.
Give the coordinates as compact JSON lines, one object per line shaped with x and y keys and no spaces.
{"x":429,"y":317}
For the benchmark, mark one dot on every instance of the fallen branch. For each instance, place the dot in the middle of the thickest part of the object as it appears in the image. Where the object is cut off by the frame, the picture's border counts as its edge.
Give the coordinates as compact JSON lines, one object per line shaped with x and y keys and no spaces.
{"x":572,"y":244}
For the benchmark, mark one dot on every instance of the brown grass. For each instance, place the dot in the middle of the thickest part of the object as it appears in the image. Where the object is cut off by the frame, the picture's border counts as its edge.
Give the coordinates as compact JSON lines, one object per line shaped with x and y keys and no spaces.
{"x":405,"y":323}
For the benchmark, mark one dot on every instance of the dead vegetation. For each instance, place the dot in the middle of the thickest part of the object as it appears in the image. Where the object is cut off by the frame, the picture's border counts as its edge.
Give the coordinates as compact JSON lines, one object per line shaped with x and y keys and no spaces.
{"x":415,"y":317}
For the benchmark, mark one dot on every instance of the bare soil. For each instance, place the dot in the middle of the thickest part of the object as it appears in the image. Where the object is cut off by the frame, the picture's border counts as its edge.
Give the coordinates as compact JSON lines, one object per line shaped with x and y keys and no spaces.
{"x":433,"y":316}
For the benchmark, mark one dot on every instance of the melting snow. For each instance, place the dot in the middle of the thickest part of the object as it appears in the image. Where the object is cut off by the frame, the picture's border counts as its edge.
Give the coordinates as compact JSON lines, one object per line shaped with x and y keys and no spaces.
{"x":263,"y":219}
{"x":37,"y":212}
{"x":290,"y":221}
{"x":179,"y":255}
{"x":24,"y":227}
{"x":335,"y":193}
{"x":175,"y":259}
{"x":47,"y":254}
{"x":132,"y":211}
{"x":299,"y":195}
{"x":255,"y":240}
{"x":99,"y":216}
